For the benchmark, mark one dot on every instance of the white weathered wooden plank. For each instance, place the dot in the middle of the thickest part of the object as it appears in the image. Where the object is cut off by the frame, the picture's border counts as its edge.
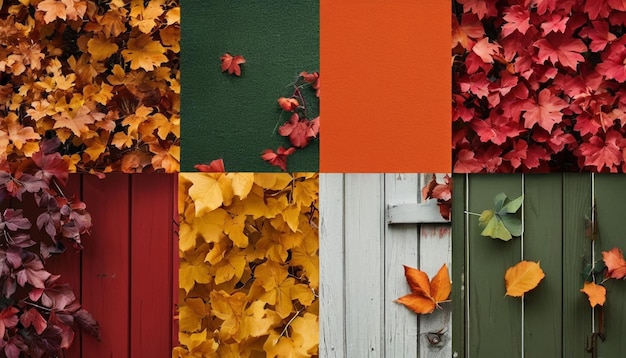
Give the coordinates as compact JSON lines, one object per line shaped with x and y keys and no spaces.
{"x":332,"y":300}
{"x":364,"y":219}
{"x":435,"y":250}
{"x":426,"y":212}
{"x":401,"y":248}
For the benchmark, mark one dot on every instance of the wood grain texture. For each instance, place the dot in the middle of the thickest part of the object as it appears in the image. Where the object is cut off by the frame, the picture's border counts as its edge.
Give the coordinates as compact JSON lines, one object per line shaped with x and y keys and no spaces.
{"x":458,"y":267}
{"x":105,"y":278}
{"x":364,"y":265}
{"x":494,"y":319}
{"x":543,"y":238}
{"x":402,"y":246}
{"x":361,"y":268}
{"x":332,"y":297}
{"x":576,"y":310}
{"x":151,"y":263}
{"x":610,"y":194}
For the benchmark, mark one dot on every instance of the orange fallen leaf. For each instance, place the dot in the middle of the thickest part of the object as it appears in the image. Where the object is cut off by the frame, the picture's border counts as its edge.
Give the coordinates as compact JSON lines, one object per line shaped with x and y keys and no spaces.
{"x":595,"y":293}
{"x":288,"y":104}
{"x":615,"y":263}
{"x":425,"y":295}
{"x":522,"y":278}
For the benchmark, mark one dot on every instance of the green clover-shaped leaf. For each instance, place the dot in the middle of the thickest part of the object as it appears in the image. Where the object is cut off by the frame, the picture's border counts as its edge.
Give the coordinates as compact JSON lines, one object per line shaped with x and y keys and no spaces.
{"x":502,"y":223}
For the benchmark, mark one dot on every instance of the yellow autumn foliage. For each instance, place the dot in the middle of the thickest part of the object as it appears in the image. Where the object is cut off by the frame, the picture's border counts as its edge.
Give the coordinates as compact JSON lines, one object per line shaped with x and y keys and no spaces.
{"x":249,"y":265}
{"x":101,"y":76}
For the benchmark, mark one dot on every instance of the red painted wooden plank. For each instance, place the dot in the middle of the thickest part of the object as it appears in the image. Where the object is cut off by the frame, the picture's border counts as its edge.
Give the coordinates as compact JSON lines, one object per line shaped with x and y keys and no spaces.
{"x":105,"y":278}
{"x":151,"y":264}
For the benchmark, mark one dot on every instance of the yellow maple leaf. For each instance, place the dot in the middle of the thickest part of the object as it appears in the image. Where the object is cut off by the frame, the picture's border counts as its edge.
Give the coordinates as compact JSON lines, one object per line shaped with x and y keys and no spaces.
{"x":191,"y":313}
{"x":242,"y":183}
{"x":145,"y":18}
{"x":205,"y":191}
{"x":101,"y":48}
{"x":231,"y":266}
{"x":143,"y":52}
{"x":170,"y":38}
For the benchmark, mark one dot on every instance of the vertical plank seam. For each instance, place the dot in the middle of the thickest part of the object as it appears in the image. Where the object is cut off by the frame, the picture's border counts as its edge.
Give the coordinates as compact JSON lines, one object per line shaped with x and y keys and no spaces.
{"x":522,"y":259}
{"x":343,"y":265}
{"x":593,"y":242}
{"x":170,"y":242}
{"x":466,"y":282}
{"x":381,"y":229}
{"x":130,"y":264}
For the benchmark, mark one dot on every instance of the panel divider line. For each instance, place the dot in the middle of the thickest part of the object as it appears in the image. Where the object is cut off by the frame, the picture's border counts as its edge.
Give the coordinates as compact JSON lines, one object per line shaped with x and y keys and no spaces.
{"x":466,"y":281}
{"x":593,"y":242}
{"x":522,"y":259}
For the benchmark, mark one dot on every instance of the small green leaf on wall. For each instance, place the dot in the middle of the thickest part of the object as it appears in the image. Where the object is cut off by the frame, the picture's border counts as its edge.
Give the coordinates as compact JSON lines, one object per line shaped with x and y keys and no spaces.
{"x":502,"y":223}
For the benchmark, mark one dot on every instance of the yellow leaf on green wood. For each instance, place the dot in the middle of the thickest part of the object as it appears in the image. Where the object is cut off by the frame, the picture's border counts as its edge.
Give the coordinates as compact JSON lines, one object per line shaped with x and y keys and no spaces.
{"x":522,"y":278}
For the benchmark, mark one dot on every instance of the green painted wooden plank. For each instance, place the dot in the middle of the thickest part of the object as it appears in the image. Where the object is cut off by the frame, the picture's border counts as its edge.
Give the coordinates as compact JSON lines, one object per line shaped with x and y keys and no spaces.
{"x":576,"y":310}
{"x":610,"y":196}
{"x":494,"y":319}
{"x":458,"y":266}
{"x":543,"y":242}
{"x":229,"y":117}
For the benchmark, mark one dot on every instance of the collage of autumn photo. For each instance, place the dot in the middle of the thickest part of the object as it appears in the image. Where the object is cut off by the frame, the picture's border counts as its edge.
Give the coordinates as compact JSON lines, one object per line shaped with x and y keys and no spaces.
{"x":166,"y":191}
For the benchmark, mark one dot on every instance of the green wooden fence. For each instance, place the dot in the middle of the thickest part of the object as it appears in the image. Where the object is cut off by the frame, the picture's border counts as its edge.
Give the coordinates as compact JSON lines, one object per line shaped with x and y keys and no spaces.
{"x":555,"y":319}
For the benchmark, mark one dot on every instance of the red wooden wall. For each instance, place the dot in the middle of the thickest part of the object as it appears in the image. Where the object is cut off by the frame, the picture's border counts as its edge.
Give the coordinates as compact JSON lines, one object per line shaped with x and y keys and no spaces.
{"x":127,"y":274}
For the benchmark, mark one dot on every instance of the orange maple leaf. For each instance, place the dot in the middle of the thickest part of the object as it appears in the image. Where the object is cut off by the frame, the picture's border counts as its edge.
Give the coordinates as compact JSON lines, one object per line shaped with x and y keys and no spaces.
{"x":595,"y":293}
{"x":615,"y":263}
{"x":288,"y":104}
{"x":522,"y":278}
{"x":425,"y":295}
{"x":143,"y":52}
{"x":231,"y":63}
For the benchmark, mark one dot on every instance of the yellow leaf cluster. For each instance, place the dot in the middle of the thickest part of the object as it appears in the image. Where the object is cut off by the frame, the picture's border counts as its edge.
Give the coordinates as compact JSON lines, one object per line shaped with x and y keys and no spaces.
{"x":249,"y":265}
{"x":101,"y":76}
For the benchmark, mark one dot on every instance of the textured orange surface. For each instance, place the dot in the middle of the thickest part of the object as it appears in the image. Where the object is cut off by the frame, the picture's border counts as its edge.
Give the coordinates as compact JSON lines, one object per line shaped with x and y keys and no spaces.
{"x":386,"y":92}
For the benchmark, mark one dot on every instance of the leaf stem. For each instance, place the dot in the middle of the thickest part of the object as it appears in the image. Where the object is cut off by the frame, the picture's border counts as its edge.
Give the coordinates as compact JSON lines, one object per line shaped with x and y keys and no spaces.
{"x":288,"y":324}
{"x":471,"y":213}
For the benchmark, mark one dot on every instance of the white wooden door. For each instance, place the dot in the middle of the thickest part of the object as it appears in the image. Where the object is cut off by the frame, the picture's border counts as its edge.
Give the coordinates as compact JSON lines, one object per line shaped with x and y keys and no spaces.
{"x":369,"y":229}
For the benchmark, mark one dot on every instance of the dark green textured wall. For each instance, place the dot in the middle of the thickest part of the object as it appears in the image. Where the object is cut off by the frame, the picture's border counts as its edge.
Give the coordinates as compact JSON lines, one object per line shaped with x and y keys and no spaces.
{"x":234,"y":118}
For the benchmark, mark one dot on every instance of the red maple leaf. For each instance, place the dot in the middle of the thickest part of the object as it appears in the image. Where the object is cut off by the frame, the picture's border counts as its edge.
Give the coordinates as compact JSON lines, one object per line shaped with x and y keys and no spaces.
{"x":614,"y":66}
{"x":279,"y":158}
{"x":477,"y":83}
{"x":596,"y":9}
{"x":468,"y":30}
{"x":562,"y":48}
{"x":517,"y":154}
{"x":546,"y":111}
{"x":536,"y":156}
{"x":482,"y":8}
{"x":605,"y":152}
{"x":300,"y":131}
{"x":216,"y":166}
{"x":556,"y":23}
{"x":466,"y":162}
{"x":599,"y":35}
{"x":231,"y":63}
{"x":517,"y":18}
{"x":52,"y":165}
{"x":615,"y":263}
{"x":496,"y":129}
{"x":486,"y":50}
